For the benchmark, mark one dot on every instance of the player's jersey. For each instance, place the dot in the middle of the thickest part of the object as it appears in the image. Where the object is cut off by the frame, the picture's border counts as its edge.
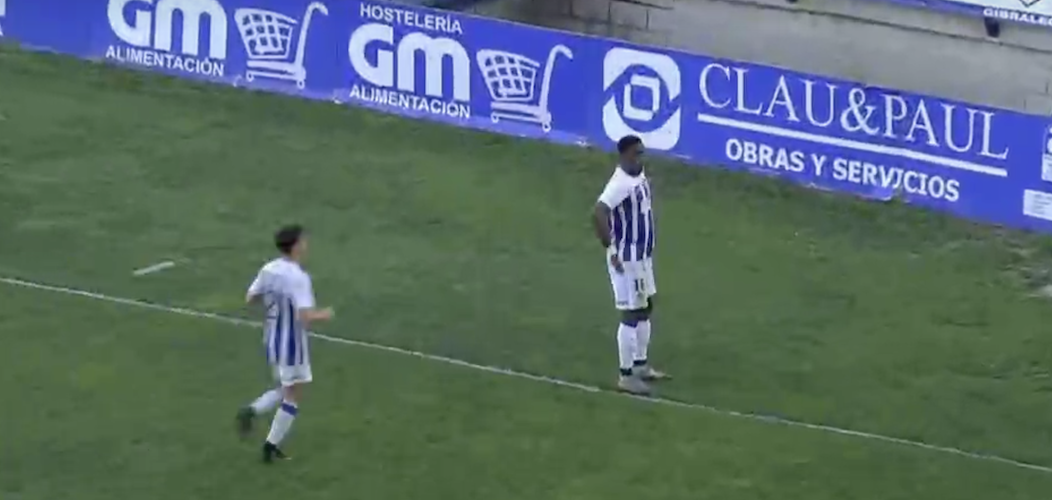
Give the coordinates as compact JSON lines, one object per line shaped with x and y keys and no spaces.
{"x":285,"y":288}
{"x":631,"y":218}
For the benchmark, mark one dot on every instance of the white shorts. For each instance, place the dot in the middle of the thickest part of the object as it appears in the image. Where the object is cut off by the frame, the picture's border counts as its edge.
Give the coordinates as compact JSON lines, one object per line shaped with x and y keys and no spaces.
{"x":633,"y":287}
{"x":292,"y":375}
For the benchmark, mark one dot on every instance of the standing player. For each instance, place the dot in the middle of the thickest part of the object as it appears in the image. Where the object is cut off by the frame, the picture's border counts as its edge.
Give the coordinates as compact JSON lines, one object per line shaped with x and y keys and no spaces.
{"x":285,"y":291}
{"x":624,"y":224}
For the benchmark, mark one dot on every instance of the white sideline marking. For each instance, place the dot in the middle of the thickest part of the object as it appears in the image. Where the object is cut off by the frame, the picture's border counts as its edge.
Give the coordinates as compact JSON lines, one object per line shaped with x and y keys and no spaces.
{"x":770,"y":419}
{"x":160,"y":266}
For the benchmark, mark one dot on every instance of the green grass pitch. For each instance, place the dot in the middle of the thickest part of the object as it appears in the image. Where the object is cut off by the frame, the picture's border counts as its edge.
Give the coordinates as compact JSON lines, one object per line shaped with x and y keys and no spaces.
{"x":775,"y":300}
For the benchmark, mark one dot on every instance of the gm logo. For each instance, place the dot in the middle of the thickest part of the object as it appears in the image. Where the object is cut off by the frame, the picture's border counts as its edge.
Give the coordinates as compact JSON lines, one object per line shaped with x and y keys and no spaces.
{"x":402,"y":54}
{"x":155,"y":29}
{"x":642,"y":92}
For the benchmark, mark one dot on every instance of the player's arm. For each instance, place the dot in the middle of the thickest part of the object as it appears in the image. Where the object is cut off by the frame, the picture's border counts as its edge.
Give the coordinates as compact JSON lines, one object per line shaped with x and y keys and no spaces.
{"x":314,"y":314}
{"x":613,"y":194}
{"x":255,"y":290}
{"x":601,"y":222}
{"x":306,"y":310}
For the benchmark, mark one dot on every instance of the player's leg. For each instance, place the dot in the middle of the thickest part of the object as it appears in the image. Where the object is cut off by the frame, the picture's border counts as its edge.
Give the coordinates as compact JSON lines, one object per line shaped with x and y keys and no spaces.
{"x":262,"y":404}
{"x":282,"y":424}
{"x":641,"y":363}
{"x":293,"y":381}
{"x":627,"y":301}
{"x":266,"y":401}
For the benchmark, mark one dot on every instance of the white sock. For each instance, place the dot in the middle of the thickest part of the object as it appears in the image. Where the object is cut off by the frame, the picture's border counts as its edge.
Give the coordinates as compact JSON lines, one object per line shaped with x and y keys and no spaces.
{"x":282,"y":422}
{"x":642,"y":342}
{"x":266,"y":401}
{"x":626,"y":347}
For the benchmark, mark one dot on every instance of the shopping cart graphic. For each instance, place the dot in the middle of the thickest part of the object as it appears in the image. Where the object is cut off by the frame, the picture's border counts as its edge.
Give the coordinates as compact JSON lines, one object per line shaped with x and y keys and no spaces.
{"x":269,"y":39}
{"x":511,"y":80}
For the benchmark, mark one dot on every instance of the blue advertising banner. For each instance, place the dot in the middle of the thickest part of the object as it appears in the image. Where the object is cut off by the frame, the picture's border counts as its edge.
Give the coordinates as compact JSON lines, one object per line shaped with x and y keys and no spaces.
{"x":981,"y":163}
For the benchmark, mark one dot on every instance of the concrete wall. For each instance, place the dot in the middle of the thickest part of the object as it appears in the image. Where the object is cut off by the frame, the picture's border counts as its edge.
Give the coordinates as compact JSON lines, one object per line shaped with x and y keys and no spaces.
{"x":871,"y":41}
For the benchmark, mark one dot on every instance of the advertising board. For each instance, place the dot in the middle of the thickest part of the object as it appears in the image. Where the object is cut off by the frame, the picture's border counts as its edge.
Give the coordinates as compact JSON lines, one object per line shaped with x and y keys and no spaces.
{"x":976,"y":162}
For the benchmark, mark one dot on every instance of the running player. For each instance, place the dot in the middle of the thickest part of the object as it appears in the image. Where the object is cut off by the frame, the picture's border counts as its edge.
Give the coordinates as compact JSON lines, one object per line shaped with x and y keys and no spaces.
{"x":624,"y":224}
{"x":286,"y":293}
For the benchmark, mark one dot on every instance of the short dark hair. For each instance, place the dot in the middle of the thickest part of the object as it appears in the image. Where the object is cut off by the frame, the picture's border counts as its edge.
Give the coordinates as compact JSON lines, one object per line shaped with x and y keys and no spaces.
{"x":287,"y":237}
{"x":628,"y":142}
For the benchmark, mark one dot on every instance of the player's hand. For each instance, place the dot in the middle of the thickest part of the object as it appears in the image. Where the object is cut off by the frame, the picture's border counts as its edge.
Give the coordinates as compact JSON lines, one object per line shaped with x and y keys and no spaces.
{"x":326,"y":314}
{"x":615,"y":262}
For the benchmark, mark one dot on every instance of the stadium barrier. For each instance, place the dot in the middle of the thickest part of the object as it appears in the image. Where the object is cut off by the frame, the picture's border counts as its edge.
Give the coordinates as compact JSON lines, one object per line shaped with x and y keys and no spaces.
{"x":976,"y":162}
{"x":1033,"y":12}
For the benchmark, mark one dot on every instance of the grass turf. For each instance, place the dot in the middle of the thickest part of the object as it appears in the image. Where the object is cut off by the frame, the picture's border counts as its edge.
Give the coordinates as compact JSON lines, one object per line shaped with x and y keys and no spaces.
{"x":773,"y":299}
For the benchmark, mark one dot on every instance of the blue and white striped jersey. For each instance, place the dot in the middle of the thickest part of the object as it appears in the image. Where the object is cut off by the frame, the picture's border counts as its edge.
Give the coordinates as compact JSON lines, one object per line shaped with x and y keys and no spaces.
{"x":631,"y":217}
{"x":285,"y":288}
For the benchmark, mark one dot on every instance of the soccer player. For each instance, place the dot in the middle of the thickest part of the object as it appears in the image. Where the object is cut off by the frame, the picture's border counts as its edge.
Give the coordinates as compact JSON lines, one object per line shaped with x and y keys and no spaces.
{"x":624,"y":224}
{"x":286,"y":293}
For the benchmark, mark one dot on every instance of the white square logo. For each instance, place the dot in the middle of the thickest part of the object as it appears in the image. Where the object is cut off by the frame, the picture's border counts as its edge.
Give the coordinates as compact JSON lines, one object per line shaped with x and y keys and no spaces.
{"x":642,"y":97}
{"x":1046,"y":157}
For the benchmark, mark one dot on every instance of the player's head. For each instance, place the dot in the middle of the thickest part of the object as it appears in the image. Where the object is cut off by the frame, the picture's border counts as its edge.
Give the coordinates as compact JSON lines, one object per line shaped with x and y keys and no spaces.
{"x":630,"y":147}
{"x":291,"y":241}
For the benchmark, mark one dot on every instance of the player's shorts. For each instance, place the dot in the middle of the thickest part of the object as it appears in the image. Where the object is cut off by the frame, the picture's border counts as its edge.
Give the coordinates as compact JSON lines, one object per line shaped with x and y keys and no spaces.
{"x":292,"y":375}
{"x":633,"y":287}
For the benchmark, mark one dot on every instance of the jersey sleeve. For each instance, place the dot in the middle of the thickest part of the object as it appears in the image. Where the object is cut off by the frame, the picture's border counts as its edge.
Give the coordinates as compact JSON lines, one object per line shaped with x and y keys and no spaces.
{"x":614,"y":193}
{"x":303,"y":293}
{"x":257,"y":286}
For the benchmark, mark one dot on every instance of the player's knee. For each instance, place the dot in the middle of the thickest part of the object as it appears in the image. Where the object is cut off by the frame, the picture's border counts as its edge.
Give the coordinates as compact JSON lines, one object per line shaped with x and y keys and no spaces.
{"x":291,"y":393}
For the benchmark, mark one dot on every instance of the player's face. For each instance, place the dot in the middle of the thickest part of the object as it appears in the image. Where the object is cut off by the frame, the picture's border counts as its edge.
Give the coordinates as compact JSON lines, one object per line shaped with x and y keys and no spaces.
{"x":299,"y":250}
{"x":633,"y":161}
